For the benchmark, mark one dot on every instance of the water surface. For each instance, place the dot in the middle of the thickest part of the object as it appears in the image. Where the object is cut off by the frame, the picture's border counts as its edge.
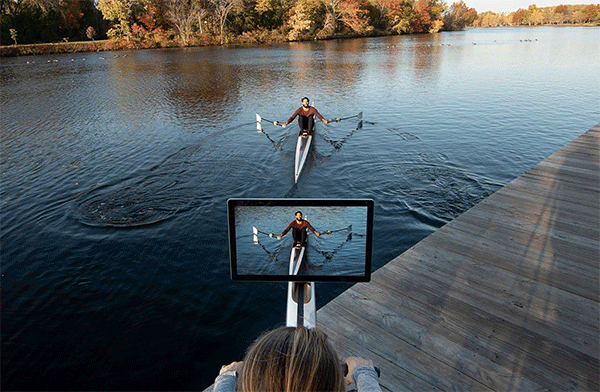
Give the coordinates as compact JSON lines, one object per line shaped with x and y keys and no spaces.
{"x":116,"y":168}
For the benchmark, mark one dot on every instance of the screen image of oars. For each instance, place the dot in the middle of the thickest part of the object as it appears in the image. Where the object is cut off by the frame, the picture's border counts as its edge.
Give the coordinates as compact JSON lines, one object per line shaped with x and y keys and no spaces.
{"x":300,"y":239}
{"x":298,"y":250}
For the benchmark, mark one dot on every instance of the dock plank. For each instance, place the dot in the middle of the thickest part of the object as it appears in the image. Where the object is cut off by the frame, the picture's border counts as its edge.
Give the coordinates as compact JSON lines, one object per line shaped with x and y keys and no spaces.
{"x":493,"y":338}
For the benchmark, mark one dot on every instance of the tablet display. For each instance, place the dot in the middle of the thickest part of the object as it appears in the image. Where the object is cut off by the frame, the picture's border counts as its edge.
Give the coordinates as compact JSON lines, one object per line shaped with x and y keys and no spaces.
{"x":323,"y":240}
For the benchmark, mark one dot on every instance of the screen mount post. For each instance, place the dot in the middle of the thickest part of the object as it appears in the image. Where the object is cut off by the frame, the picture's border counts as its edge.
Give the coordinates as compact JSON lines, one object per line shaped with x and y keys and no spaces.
{"x":301,"y":292}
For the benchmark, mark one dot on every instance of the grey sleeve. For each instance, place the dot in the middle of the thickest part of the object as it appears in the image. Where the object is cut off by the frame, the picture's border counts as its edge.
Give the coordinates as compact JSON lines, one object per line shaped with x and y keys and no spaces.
{"x":225,"y":383}
{"x":365,"y":379}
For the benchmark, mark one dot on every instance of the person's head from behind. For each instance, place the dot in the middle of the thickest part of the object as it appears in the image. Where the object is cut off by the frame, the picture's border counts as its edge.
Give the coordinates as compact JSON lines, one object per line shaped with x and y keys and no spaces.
{"x":292,"y":359}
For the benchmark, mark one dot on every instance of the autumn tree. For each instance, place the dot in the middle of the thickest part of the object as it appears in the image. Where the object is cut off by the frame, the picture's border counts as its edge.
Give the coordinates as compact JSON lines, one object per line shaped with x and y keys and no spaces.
{"x":592,"y":13}
{"x":272,"y":13}
{"x":560,"y":14}
{"x":396,"y":16}
{"x":90,"y":32}
{"x":45,"y":20}
{"x":306,"y":18}
{"x":70,"y":14}
{"x":436,"y":10}
{"x":332,"y":15}
{"x":490,"y":19}
{"x":222,"y":8}
{"x":459,"y":16}
{"x":518,"y":17}
{"x":119,"y":12}
{"x":354,"y":14}
{"x":537,"y":17}
{"x":421,"y":20}
{"x":183,"y":14}
{"x":426,"y":16}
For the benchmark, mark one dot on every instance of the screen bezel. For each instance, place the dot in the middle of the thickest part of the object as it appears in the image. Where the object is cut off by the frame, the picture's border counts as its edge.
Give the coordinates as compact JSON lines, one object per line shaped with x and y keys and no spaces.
{"x":233,"y":203}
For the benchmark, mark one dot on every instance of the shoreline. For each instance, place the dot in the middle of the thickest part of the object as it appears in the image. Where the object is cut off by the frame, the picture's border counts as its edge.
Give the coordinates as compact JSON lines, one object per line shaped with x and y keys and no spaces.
{"x":122,"y":45}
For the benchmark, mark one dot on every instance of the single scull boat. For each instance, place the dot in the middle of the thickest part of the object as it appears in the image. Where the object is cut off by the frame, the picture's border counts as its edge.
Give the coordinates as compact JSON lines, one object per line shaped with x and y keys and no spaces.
{"x":296,"y":259}
{"x":302,"y":149}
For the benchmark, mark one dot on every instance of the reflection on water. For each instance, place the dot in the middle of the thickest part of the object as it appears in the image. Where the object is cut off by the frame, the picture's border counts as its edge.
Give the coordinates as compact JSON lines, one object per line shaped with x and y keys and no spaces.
{"x":116,"y":168}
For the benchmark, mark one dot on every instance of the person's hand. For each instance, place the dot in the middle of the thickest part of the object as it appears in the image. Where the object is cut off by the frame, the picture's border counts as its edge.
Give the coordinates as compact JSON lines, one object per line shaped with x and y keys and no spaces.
{"x":278,"y":237}
{"x":326,"y":122}
{"x":352,"y":363}
{"x":284,"y":125}
{"x":318,"y":234}
{"x":237,"y":366}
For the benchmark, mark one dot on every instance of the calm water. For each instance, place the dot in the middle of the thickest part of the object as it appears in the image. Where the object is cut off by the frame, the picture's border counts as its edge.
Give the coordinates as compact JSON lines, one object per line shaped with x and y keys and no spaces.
{"x":116,"y":168}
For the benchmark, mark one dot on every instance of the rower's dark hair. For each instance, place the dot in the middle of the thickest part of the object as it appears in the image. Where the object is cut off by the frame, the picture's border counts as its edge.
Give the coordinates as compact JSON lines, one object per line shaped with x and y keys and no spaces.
{"x":303,"y":98}
{"x":298,"y":212}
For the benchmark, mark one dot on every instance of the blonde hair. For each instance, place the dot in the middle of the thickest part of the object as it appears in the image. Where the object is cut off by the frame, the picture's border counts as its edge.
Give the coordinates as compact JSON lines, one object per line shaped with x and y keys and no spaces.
{"x":292,"y":360}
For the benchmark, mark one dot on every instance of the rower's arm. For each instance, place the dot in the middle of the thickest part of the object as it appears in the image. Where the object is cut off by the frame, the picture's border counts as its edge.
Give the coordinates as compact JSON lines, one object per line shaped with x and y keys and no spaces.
{"x":291,"y":118}
{"x":313,"y":229}
{"x":319,"y":116}
{"x":286,"y":230}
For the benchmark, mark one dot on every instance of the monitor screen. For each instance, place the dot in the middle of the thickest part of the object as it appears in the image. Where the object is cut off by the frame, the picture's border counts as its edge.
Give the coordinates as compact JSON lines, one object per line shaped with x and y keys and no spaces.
{"x":300,"y":240}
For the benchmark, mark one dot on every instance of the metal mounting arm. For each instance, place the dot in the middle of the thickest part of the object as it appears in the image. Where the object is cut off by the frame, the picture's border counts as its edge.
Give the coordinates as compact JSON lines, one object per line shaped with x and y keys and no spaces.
{"x":305,"y":292}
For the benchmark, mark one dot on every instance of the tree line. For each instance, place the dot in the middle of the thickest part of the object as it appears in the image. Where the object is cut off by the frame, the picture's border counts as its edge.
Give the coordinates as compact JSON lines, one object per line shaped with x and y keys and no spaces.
{"x":534,"y":16}
{"x":194,"y":22}
{"x":159,"y":23}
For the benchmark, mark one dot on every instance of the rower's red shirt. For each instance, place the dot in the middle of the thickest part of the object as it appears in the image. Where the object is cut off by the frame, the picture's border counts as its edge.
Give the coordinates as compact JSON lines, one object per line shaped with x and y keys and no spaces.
{"x":299,"y":226}
{"x":312,"y":111}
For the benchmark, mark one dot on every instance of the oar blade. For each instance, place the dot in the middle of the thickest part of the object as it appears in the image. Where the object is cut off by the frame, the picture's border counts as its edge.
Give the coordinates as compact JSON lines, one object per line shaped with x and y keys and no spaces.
{"x":255,"y":234}
{"x":258,"y":125}
{"x":360,"y":115}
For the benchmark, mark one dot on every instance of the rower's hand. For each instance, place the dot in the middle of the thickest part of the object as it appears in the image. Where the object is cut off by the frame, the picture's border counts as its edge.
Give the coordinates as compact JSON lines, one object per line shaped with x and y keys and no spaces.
{"x":352,"y":363}
{"x":326,"y":122}
{"x":237,"y":366}
{"x":278,"y":237}
{"x":318,"y":234}
{"x":284,"y":125}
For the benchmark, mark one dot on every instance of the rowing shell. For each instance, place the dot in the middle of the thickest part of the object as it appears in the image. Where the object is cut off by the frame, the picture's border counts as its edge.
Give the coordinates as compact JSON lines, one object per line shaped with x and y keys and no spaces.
{"x":302,"y":148}
{"x":296,"y":259}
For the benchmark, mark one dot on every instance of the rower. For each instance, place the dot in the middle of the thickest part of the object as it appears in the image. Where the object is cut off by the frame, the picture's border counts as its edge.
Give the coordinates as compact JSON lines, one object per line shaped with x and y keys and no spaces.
{"x":299,"y":227}
{"x":306,"y":118}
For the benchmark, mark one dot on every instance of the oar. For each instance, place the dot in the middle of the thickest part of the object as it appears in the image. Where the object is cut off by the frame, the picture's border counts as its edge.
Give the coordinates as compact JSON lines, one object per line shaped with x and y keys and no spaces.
{"x":338,"y":119}
{"x":255,"y":233}
{"x":259,"y":119}
{"x":349,"y":228}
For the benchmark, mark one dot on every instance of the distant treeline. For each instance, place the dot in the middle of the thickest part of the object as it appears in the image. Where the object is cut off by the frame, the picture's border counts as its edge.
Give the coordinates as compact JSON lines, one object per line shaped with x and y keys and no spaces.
{"x":534,"y":16}
{"x":164,"y":23}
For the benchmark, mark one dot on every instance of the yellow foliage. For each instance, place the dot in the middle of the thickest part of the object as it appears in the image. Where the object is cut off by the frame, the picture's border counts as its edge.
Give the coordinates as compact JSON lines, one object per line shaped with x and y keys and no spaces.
{"x":436,"y":26}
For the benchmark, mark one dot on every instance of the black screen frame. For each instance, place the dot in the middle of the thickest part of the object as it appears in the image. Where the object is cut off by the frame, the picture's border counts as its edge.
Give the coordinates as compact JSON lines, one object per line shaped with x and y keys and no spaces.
{"x":235,"y":202}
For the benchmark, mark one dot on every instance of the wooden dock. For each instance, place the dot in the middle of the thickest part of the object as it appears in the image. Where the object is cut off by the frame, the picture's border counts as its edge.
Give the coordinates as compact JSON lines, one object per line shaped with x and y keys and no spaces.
{"x":503,"y":298}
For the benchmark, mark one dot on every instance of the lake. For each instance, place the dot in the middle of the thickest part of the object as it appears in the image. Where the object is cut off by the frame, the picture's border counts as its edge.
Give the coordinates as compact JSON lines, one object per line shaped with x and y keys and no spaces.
{"x":116,"y":168}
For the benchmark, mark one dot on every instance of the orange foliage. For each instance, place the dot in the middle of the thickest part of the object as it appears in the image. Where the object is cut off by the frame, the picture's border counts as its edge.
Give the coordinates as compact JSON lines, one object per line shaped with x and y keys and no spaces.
{"x":355,"y":15}
{"x":70,"y":14}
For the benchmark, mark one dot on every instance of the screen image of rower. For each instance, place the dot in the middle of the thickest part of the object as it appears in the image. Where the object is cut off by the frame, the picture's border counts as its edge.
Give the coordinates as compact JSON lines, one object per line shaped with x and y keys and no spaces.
{"x":341,"y":252}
